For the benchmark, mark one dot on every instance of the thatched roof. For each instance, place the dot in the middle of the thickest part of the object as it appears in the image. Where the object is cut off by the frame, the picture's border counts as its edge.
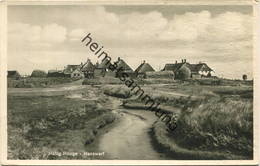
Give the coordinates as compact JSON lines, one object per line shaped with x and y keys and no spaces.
{"x":87,"y":67}
{"x":13,"y":73}
{"x":121,"y":63}
{"x":38,"y":73}
{"x":172,"y":67}
{"x":144,"y":67}
{"x":195,"y":68}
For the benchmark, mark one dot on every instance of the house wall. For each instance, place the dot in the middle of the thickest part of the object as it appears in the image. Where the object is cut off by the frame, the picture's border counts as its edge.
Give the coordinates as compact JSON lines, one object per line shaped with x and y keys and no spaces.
{"x":76,"y":74}
{"x":195,"y":76}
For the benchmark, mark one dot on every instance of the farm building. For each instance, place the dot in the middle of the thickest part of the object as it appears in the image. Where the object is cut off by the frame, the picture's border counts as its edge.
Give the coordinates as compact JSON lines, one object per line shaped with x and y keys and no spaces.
{"x":55,"y":73}
{"x":88,"y":69}
{"x":38,"y":73}
{"x":126,"y":68}
{"x":143,"y":68}
{"x":68,"y":70}
{"x":185,"y":70}
{"x":13,"y":74}
{"x":77,"y":74}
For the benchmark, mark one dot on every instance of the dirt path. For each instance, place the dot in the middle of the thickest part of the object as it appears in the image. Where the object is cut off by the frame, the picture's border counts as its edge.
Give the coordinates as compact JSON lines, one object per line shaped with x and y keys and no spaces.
{"x":130,"y":139}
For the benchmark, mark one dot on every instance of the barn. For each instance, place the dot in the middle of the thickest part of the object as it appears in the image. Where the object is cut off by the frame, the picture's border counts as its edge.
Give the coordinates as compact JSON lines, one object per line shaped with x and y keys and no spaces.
{"x":55,"y":73}
{"x":142,"y":69}
{"x":68,"y":70}
{"x":126,"y":68}
{"x":13,"y":74}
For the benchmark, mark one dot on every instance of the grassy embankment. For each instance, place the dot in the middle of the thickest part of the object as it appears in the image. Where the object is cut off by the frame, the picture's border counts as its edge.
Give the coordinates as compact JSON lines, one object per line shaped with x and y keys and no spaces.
{"x":38,"y":125}
{"x":217,"y":124}
{"x":36,"y":82}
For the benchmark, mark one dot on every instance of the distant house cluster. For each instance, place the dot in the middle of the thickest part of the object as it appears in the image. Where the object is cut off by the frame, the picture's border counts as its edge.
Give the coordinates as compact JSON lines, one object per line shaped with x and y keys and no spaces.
{"x":177,"y":70}
{"x":185,"y":70}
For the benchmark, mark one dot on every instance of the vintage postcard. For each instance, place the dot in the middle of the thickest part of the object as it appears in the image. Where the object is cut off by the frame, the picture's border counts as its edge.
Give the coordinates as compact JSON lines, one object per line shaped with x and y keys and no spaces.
{"x":137,"y":83}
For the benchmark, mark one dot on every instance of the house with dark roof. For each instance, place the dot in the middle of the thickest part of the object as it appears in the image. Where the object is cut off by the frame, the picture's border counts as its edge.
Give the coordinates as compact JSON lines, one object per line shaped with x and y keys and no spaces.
{"x":126,"y":68}
{"x":143,"y":68}
{"x":55,"y":73}
{"x":88,"y":69}
{"x":185,"y":70}
{"x":13,"y":74}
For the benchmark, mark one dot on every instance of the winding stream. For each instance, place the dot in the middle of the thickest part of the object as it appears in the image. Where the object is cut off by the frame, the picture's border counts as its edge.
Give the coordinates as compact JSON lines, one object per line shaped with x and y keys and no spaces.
{"x":130,"y":139}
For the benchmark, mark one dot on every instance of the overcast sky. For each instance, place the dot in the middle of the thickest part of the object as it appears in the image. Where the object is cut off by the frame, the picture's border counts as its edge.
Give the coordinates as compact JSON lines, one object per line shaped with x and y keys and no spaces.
{"x":48,"y":37}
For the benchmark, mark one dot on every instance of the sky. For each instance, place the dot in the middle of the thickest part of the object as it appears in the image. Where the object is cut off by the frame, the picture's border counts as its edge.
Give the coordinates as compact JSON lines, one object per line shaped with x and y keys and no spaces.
{"x":49,"y":37}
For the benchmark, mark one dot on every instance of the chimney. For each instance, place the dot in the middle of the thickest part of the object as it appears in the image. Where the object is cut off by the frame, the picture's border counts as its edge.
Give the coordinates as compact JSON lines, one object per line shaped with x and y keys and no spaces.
{"x":176,"y":62}
{"x":144,"y":61}
{"x":118,"y":58}
{"x":181,"y":60}
{"x":184,"y":60}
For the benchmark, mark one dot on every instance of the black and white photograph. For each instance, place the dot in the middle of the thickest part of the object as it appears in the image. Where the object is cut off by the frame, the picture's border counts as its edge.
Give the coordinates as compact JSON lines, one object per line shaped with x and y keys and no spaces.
{"x":130,"y":82}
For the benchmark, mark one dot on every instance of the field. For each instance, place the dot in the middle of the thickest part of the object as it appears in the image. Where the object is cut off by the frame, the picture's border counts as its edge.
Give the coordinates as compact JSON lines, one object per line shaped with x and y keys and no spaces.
{"x":37,"y":82}
{"x":46,"y":122}
{"x":215,"y":121}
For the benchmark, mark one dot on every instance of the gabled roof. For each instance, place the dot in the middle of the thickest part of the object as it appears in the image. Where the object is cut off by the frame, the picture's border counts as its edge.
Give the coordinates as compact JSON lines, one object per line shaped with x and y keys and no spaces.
{"x":87,"y":67}
{"x":144,"y":67}
{"x":173,"y":67}
{"x":203,"y":67}
{"x":121,"y":63}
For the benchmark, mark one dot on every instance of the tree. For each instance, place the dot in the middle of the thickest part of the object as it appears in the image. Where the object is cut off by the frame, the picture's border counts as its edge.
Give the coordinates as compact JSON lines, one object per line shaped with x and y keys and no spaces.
{"x":244,"y":77}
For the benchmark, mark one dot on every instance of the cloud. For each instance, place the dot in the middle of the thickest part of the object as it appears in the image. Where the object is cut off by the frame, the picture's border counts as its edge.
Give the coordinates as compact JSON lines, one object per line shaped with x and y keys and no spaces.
{"x":230,"y":26}
{"x":153,"y":25}
{"x":217,"y":39}
{"x":76,"y":34}
{"x":22,"y":33}
{"x":187,"y":27}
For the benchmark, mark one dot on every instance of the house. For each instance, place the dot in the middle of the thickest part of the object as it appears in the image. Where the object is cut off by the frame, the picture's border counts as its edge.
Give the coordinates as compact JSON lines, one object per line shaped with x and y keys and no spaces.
{"x":185,"y":70}
{"x":88,"y":69}
{"x":77,"y":73}
{"x":13,"y":74}
{"x":69,"y":69}
{"x":101,"y":68}
{"x":126,"y":68}
{"x":143,"y":68}
{"x":55,"y":73}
